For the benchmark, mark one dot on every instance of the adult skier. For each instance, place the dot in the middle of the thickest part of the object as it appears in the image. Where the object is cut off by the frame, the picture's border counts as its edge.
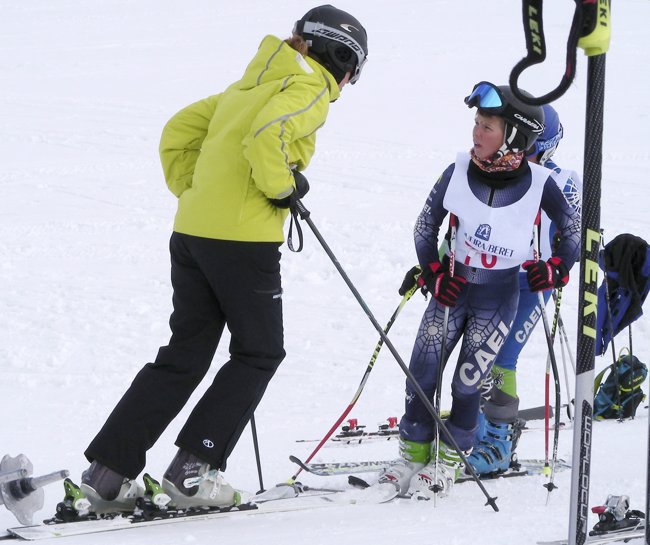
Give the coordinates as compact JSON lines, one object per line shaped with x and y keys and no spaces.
{"x":234,"y":161}
{"x":499,"y":428}
{"x":494,"y":193}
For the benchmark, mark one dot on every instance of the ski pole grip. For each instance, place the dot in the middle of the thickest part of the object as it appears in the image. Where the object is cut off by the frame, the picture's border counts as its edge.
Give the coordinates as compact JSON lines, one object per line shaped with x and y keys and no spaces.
{"x":596,"y":30}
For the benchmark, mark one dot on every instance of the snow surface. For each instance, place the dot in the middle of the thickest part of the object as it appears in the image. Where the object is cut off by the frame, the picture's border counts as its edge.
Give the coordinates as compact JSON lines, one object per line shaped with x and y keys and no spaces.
{"x":85,"y":218}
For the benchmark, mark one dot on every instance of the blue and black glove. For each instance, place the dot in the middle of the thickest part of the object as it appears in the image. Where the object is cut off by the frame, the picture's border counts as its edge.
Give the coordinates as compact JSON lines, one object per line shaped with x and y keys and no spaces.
{"x":301,"y":189}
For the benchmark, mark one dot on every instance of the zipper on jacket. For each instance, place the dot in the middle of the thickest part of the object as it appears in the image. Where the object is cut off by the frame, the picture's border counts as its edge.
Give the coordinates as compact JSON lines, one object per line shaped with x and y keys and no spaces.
{"x":491,"y":197}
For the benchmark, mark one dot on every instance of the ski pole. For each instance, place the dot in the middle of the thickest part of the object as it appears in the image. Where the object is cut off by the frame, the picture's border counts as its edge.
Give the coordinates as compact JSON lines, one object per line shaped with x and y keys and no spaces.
{"x":590,"y":30}
{"x":256,"y":447}
{"x":595,"y":42}
{"x":562,"y":337}
{"x":550,"y":486}
{"x":558,"y":299}
{"x":443,"y":347}
{"x":304,"y":215}
{"x":364,"y":379}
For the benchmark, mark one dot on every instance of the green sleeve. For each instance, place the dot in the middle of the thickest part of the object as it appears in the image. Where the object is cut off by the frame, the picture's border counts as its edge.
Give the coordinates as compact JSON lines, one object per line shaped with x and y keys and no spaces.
{"x":181,"y":140}
{"x":282,"y":137}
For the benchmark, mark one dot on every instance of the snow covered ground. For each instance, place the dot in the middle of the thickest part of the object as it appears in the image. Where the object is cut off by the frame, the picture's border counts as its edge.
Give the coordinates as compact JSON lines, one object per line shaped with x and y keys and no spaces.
{"x":85,"y":218}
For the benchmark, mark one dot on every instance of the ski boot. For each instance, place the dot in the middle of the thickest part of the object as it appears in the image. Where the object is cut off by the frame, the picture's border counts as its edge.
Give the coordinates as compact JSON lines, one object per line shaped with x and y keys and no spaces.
{"x":495,"y":453}
{"x":108,"y":491}
{"x":189,"y":482}
{"x":413,"y":457}
{"x":432,"y":480}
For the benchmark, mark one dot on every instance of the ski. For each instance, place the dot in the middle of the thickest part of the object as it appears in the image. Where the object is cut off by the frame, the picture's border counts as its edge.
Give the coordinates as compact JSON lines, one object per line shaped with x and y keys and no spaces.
{"x":609,"y":537}
{"x":353,"y":432}
{"x":326,"y":469}
{"x":356,"y":439}
{"x":116,"y":522}
{"x":616,"y":522}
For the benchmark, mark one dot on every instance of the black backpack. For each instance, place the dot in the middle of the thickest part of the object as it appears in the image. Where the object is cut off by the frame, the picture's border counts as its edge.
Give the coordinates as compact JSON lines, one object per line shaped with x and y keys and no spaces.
{"x":631,"y":375}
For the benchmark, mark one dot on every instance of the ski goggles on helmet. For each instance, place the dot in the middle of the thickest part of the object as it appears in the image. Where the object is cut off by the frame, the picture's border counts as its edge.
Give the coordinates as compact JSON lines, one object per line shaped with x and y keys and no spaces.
{"x":486,"y":96}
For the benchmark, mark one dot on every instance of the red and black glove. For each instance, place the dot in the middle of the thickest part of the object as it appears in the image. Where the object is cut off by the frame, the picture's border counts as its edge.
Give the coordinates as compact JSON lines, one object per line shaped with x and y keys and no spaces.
{"x":444,"y":287}
{"x":546,"y":275}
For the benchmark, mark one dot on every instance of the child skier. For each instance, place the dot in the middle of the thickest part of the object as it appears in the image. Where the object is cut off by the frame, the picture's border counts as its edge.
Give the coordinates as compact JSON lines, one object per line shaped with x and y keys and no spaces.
{"x":499,"y":428}
{"x":495,"y":195}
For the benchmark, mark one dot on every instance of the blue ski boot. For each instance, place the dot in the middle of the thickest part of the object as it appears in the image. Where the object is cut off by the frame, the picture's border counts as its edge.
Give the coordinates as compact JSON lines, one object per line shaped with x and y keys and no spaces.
{"x":494,"y":453}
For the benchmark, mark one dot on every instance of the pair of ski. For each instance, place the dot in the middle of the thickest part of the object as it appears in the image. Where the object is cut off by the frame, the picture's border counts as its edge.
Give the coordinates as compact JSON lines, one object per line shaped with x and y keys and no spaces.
{"x":280,"y":499}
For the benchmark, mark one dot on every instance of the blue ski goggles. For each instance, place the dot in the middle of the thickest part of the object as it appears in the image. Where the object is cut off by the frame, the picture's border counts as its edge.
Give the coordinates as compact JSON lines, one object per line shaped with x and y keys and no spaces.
{"x":486,"y":96}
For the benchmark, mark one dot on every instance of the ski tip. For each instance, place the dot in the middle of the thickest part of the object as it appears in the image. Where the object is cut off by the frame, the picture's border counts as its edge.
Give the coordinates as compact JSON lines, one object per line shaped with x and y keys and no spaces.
{"x":302,"y":465}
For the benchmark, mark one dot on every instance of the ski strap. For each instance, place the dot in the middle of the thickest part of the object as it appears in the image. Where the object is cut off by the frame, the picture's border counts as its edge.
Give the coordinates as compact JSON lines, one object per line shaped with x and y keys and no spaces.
{"x":589,"y":30}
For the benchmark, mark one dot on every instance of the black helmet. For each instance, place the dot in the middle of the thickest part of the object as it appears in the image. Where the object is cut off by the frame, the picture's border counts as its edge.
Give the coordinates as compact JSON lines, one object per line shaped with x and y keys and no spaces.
{"x":524,"y":123}
{"x":336,"y":40}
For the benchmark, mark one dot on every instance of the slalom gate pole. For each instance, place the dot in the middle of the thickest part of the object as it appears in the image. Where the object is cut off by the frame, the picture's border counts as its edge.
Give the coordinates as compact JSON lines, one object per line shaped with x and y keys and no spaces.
{"x":595,"y":42}
{"x":304,"y":215}
{"x":364,"y":379}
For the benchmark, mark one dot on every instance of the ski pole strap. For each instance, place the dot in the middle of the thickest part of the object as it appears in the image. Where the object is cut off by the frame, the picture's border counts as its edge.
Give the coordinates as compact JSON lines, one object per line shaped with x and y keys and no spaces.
{"x":590,"y":30}
{"x":294,"y":221}
{"x":536,"y":51}
{"x":297,"y":209}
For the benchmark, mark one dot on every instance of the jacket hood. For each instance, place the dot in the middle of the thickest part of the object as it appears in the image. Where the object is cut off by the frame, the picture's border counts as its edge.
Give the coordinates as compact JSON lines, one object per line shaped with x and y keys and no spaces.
{"x":276,"y":60}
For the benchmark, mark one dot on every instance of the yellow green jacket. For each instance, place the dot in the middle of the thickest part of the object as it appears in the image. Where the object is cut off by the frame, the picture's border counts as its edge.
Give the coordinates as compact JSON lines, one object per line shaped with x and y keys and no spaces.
{"x":226,"y":155}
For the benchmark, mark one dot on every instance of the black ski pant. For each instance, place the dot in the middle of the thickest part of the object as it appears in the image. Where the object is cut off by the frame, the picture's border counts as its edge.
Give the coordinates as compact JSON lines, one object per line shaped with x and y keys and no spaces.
{"x":216,"y":283}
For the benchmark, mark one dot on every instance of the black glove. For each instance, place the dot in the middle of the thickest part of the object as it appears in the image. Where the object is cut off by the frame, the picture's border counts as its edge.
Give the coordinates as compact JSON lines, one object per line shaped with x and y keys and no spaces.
{"x":444,"y":287}
{"x":410,"y":280}
{"x":546,"y":275}
{"x":301,"y":189}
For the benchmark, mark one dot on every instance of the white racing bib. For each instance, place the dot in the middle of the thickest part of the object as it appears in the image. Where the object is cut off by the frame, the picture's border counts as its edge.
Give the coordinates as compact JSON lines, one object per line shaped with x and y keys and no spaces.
{"x":487,"y":237}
